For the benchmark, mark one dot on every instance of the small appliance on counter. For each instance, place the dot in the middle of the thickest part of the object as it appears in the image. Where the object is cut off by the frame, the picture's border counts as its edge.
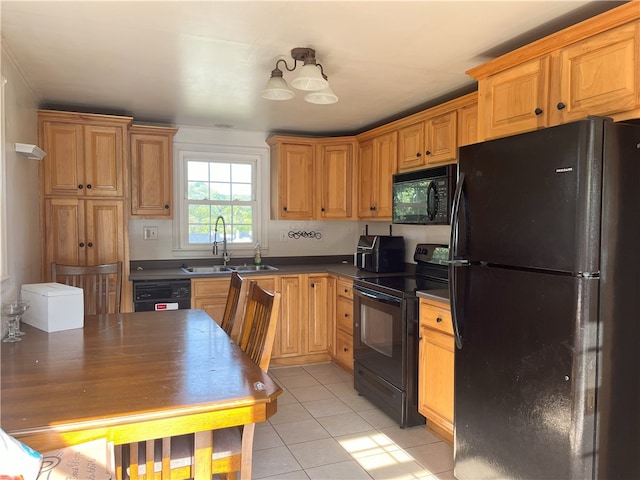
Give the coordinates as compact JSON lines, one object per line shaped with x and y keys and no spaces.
{"x":54,"y":306}
{"x":380,"y":253}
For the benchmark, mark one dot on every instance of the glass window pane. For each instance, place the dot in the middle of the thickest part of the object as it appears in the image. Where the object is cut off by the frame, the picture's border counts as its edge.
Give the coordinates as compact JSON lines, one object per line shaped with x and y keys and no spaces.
{"x":221,"y":191}
{"x":221,"y":172}
{"x":241,"y":192}
{"x":198,"y":190}
{"x":199,"y":214}
{"x":242,"y":234}
{"x":200,"y":234}
{"x":198,"y":171}
{"x":241,"y":172}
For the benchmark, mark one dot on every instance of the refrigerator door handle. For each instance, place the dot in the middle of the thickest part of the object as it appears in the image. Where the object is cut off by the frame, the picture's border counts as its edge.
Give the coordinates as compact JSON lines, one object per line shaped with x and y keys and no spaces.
{"x":453,"y":244}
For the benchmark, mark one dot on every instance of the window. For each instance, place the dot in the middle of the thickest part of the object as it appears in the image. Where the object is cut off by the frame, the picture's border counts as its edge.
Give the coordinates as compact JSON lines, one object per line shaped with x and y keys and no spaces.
{"x":216,"y":184}
{"x":4,"y":272}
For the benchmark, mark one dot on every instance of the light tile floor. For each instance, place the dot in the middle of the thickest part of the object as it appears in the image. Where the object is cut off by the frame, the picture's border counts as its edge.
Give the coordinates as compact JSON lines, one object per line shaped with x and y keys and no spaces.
{"x":324,"y":430}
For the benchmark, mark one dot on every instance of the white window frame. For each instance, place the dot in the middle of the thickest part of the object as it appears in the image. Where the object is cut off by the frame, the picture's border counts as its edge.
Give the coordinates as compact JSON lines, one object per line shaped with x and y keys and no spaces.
{"x":4,"y":258}
{"x":258,"y":157}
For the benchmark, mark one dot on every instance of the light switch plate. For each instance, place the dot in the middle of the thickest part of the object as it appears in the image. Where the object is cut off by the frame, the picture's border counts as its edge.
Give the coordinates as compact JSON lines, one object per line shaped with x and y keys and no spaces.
{"x":149,"y":233}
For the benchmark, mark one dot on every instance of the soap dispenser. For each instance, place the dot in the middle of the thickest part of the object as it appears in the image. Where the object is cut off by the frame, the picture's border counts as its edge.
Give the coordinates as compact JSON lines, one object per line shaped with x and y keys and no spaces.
{"x":257,"y":258}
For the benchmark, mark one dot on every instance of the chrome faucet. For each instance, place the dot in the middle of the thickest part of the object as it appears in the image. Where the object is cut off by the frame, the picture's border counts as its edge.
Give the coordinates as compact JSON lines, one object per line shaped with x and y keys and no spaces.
{"x":225,"y":254}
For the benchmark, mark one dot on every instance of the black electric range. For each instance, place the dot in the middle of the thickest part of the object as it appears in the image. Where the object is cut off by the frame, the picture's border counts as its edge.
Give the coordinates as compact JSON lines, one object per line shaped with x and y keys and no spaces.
{"x":386,"y":333}
{"x":431,"y":273}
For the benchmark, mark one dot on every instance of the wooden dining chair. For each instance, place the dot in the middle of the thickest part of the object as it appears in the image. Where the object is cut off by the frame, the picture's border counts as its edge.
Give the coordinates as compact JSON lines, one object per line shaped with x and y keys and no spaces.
{"x":236,"y":303}
{"x":102,"y":285}
{"x":232,"y":447}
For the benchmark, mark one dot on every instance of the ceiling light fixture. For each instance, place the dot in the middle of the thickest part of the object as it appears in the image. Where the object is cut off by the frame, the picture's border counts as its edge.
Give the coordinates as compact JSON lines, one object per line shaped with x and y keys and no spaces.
{"x":310,"y":78}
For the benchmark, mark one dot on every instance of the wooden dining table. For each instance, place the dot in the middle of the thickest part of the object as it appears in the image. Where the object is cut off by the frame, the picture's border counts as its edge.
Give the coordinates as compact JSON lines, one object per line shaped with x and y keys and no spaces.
{"x":131,"y":377}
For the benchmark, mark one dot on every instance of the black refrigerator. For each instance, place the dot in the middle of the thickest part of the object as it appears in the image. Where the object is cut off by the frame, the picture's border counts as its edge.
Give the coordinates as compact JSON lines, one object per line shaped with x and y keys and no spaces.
{"x":545,"y":296}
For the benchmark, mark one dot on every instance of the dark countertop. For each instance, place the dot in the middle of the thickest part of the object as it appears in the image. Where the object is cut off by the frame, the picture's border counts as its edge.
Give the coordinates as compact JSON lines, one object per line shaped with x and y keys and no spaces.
{"x":170,"y":269}
{"x":438,"y":295}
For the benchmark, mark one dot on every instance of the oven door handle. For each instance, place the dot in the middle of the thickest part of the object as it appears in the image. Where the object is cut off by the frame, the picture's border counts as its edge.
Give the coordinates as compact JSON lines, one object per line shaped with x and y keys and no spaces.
{"x":381,"y":297}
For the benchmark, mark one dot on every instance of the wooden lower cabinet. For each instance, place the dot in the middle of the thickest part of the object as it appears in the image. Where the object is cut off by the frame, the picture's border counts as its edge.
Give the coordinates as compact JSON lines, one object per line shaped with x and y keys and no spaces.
{"x":343,"y":351}
{"x":83,"y":232}
{"x":304,"y":332}
{"x":436,"y":367}
{"x":306,"y":314}
{"x":210,"y":294}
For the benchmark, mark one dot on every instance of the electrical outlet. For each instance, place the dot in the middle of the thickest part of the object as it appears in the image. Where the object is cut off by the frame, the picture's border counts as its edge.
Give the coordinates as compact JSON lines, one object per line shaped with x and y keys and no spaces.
{"x":149,"y":233}
{"x":284,"y":236}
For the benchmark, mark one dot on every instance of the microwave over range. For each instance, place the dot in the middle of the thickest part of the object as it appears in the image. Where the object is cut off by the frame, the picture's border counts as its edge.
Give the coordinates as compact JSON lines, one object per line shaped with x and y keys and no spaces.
{"x":424,"y":197}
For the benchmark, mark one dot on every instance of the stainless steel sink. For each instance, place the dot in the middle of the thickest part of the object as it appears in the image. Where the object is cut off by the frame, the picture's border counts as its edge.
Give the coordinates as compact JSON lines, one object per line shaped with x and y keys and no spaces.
{"x":211,"y":269}
{"x":252,"y":268}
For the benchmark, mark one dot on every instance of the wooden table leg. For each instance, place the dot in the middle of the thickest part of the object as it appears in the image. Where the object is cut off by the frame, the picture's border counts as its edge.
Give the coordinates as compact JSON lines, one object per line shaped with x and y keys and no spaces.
{"x":203,"y":451}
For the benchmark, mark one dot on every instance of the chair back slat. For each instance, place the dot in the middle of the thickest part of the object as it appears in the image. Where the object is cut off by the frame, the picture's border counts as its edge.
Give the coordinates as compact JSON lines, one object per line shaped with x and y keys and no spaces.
{"x":233,"y":316}
{"x":259,"y":326}
{"x":101,"y":284}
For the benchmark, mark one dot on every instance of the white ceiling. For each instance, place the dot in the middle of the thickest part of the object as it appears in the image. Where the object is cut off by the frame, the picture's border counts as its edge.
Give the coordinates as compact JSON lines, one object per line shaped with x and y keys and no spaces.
{"x":205,"y":63}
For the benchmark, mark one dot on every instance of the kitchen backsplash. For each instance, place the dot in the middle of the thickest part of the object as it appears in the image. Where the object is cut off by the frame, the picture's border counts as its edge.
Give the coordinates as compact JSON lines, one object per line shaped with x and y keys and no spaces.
{"x":309,"y":239}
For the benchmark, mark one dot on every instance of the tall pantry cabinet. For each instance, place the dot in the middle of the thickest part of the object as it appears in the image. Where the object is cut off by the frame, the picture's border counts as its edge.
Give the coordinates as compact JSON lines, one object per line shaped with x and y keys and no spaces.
{"x":83,"y":183}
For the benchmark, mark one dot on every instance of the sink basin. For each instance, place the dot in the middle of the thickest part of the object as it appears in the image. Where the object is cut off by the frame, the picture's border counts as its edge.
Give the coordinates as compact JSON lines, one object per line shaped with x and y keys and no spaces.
{"x":252,"y":268}
{"x":211,"y":269}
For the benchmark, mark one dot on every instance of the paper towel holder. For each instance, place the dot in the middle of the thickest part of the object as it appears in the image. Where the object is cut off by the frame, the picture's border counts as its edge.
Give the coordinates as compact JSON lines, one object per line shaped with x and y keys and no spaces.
{"x":31,"y":151}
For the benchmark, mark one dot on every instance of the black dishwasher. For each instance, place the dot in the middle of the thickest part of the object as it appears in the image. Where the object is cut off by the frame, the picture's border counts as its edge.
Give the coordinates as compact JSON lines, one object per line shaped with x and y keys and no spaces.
{"x":159,"y":295}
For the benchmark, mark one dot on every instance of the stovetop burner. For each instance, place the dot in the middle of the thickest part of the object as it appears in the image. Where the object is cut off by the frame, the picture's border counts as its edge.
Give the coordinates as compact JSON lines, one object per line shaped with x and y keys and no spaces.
{"x":431,"y":274}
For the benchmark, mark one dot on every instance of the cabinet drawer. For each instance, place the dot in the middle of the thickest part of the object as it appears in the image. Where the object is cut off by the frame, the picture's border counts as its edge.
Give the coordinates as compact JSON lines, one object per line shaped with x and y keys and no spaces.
{"x":344,"y":315}
{"x":210,"y":286}
{"x":344,"y":349}
{"x":436,"y":317}
{"x":344,"y":289}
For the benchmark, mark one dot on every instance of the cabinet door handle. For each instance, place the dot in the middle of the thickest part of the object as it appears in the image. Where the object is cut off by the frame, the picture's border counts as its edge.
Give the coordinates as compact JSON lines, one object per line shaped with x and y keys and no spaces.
{"x":428,"y":152}
{"x":88,"y":186}
{"x":346,"y":315}
{"x":346,"y":290}
{"x":420,"y":338}
{"x":418,"y":154}
{"x":284,"y":208}
{"x":166,"y":207}
{"x":322,"y":209}
{"x":538,"y":111}
{"x":90,"y":244}
{"x":345,"y":349}
{"x":81,"y":244}
{"x":438,"y":320}
{"x":373,"y":208}
{"x":80,"y":187}
{"x":560,"y":106}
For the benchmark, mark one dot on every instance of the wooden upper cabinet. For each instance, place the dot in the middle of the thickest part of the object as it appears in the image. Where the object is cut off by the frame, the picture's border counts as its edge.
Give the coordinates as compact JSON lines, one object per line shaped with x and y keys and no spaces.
{"x":468,"y":124}
{"x":410,"y":147}
{"x":598,"y":76}
{"x":85,"y":153}
{"x":377,"y":162}
{"x":591,"y":68}
{"x":312,"y":178}
{"x":151,"y":171}
{"x":292,"y":179}
{"x":428,"y":142}
{"x":335,"y":171}
{"x":441,"y":139}
{"x":514,"y":100}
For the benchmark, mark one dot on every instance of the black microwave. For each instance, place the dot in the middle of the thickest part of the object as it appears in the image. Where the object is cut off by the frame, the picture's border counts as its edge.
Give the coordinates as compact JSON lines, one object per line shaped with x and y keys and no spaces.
{"x":424,"y":197}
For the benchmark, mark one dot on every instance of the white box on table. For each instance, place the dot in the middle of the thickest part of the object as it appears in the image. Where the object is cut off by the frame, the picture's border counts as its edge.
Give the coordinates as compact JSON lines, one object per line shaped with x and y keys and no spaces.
{"x":54,"y":306}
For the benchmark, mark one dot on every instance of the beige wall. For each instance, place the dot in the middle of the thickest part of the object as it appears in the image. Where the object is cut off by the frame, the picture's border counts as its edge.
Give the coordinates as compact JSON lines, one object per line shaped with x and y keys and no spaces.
{"x":23,"y":233}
